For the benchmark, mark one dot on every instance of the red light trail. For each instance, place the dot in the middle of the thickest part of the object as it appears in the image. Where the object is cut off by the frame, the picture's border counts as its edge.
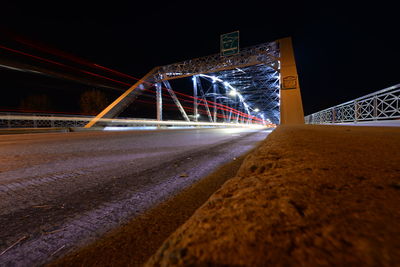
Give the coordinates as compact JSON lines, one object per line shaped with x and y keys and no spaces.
{"x":212,"y":104}
{"x":61,"y":64}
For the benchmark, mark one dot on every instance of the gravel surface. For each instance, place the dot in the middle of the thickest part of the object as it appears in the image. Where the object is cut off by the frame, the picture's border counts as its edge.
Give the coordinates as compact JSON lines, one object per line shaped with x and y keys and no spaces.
{"x":60,"y":191}
{"x":308,"y":196}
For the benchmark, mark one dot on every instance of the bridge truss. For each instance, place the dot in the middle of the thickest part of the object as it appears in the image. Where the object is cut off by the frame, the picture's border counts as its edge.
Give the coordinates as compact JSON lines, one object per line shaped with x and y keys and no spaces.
{"x":246,"y":87}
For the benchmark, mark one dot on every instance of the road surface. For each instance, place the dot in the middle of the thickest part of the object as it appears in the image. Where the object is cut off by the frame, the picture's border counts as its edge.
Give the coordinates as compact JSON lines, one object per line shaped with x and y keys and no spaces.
{"x":59,"y":191}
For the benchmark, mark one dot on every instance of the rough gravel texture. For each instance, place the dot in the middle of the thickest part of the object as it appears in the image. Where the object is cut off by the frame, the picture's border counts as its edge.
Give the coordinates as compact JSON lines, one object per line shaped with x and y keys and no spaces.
{"x":309,"y":196}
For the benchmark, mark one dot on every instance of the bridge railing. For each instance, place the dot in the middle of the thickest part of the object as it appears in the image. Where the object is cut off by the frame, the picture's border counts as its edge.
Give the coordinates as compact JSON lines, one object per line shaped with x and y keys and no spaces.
{"x":23,"y":120}
{"x":380,"y":105}
{"x":41,"y":120}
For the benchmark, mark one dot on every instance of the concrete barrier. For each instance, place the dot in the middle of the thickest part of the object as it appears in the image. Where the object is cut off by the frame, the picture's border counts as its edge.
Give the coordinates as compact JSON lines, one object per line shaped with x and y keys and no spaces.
{"x":310,"y":195}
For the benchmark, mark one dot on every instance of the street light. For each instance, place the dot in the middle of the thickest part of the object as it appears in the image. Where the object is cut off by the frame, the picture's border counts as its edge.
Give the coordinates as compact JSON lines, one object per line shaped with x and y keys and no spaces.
{"x":233,"y":92}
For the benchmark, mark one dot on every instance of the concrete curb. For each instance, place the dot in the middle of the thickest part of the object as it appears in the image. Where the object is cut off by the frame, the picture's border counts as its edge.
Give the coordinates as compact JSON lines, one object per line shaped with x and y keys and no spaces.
{"x":310,"y":195}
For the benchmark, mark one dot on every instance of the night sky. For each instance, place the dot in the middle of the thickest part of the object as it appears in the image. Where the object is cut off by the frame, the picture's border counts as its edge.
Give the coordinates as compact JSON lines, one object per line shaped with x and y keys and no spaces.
{"x":342,"y":51}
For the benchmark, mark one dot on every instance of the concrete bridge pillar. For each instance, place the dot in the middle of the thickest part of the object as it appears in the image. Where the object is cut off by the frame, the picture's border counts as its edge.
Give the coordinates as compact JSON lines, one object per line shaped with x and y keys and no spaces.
{"x":291,"y":107}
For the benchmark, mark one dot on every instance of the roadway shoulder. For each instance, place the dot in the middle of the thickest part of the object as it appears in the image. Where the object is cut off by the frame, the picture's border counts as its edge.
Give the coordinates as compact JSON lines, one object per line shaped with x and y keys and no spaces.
{"x":309,"y":195}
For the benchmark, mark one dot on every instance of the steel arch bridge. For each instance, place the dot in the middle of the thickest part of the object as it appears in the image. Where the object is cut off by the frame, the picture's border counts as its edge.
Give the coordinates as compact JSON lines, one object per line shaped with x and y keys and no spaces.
{"x":259,"y":83}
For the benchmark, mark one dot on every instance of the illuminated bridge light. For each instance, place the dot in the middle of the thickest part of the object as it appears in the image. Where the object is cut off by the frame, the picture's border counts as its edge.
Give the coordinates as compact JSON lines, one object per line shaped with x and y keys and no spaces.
{"x":233,"y":92}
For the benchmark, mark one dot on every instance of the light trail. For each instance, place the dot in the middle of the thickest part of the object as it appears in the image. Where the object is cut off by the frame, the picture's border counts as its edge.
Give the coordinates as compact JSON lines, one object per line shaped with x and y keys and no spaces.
{"x":131,"y":121}
{"x":94,"y":74}
{"x":61,"y":64}
{"x":78,"y":60}
{"x":62,"y":54}
{"x":224,"y":107}
{"x":173,"y":106}
{"x":91,"y":64}
{"x":234,"y":111}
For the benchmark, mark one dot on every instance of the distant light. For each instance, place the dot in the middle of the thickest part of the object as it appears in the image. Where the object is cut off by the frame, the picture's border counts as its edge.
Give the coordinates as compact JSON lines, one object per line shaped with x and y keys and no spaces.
{"x":256,"y":109}
{"x":124,"y":128}
{"x":226,"y":83}
{"x":233,"y":92}
{"x":213,"y":78}
{"x":198,"y":115}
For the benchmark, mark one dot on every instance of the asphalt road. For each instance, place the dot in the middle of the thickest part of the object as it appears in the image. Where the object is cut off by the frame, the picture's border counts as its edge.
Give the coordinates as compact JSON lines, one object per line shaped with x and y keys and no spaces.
{"x":59,"y":191}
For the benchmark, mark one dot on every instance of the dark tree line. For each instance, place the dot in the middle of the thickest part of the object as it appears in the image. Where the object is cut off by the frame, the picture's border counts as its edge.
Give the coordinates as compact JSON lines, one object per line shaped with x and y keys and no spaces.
{"x":91,"y":102}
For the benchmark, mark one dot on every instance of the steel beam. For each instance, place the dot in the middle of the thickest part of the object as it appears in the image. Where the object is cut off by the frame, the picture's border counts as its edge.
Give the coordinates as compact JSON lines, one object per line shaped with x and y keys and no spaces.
{"x":176,"y":100}
{"x":203,"y":96}
{"x":195,"y":104}
{"x":266,"y":53}
{"x":215,"y":88}
{"x":126,"y":98}
{"x":230,"y":116}
{"x":238,"y":114}
{"x":223,"y":111}
{"x":159,"y":101}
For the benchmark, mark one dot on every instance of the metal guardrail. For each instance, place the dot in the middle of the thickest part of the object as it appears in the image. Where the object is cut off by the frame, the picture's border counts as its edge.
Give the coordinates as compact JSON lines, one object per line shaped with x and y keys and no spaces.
{"x":23,"y":120}
{"x":380,"y":105}
{"x":41,"y":120}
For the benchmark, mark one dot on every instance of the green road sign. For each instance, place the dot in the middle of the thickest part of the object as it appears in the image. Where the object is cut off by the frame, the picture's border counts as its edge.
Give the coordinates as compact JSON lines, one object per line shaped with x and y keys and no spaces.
{"x":230,"y":43}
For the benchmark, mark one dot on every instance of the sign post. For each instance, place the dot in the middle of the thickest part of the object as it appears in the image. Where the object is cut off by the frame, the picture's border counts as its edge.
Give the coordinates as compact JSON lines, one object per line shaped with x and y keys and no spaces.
{"x":230,"y":43}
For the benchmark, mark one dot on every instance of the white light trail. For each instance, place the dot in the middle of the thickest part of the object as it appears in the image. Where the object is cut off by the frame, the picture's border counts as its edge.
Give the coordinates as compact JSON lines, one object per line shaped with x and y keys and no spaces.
{"x":128,"y":122}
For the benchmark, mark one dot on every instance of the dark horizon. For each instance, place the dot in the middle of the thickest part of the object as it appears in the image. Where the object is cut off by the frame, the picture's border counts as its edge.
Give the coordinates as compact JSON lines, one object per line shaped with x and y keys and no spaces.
{"x":342,"y":52}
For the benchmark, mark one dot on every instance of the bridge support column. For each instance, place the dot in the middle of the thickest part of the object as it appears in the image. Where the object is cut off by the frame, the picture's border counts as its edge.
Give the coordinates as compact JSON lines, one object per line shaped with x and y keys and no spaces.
{"x":215,"y":88}
{"x":159,"y":101}
{"x":195,"y":104}
{"x":291,"y":107}
{"x":223,"y":111}
{"x":238,"y":114}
